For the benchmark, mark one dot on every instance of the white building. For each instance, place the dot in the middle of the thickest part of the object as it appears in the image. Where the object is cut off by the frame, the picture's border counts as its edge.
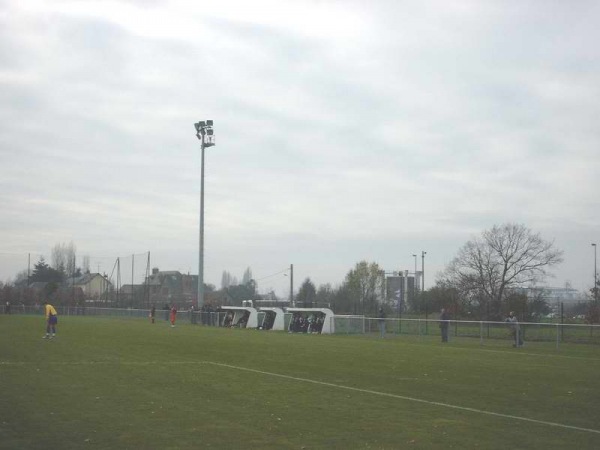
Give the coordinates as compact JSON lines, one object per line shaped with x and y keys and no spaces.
{"x":555,"y":295}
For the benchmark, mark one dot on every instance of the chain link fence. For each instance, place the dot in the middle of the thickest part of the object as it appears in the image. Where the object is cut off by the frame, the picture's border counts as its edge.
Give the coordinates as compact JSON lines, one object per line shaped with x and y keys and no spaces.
{"x":481,"y":331}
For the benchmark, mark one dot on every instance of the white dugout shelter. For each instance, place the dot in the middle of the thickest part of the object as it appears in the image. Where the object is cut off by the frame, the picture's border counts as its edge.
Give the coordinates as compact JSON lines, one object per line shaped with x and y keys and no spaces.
{"x":239,"y":312}
{"x":328,"y":325}
{"x":272,"y":318}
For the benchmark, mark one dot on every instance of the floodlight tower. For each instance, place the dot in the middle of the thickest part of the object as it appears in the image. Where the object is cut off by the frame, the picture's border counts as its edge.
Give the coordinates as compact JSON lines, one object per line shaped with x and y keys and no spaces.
{"x":595,"y":276}
{"x":204,"y":132}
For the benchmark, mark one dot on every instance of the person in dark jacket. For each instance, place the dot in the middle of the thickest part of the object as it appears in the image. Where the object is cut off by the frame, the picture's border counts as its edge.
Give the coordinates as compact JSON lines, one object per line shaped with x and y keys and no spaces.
{"x":444,"y":318}
{"x":381,"y":317}
{"x":515,"y":330}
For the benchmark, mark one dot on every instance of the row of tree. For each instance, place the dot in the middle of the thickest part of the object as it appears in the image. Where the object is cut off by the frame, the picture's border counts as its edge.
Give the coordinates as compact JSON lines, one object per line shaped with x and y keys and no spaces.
{"x":62,"y":265}
{"x":228,"y":280}
{"x":485,"y":280}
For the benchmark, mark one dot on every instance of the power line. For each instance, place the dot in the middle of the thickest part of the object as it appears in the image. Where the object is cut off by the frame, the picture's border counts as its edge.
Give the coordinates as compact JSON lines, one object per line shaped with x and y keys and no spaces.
{"x":272,"y":275}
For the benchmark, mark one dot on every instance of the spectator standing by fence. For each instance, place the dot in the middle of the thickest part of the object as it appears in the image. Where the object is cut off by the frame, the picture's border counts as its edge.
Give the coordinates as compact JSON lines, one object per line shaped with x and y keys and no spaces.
{"x":444,"y":318}
{"x":152,"y":313}
{"x":515,"y":329}
{"x":381,"y":323}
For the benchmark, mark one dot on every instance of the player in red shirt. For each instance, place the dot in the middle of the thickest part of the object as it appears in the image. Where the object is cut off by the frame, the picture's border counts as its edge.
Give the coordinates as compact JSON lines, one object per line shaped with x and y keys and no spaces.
{"x":173,"y":315}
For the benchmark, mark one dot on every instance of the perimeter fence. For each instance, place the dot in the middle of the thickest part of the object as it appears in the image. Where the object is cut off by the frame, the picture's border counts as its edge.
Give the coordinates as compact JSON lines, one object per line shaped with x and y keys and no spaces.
{"x":360,"y":325}
{"x":481,"y":330}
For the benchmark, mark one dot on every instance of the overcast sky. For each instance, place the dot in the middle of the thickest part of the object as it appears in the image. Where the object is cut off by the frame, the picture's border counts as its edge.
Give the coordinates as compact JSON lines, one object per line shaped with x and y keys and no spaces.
{"x":345,"y":131}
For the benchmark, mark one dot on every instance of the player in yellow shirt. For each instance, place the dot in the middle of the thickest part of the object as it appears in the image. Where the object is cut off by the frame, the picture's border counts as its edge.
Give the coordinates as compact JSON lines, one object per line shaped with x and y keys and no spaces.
{"x":51,"y":320}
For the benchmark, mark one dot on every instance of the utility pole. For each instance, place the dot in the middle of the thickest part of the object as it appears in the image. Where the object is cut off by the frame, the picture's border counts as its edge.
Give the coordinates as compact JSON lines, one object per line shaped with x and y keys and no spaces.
{"x":423,"y":253}
{"x":292,"y":285}
{"x":595,"y":276}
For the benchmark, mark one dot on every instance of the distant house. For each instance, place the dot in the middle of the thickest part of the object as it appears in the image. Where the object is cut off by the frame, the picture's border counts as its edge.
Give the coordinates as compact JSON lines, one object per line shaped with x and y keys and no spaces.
{"x":553,"y":295}
{"x":58,"y":294}
{"x":93,"y":285}
{"x":172,"y":287}
{"x":131,"y":295}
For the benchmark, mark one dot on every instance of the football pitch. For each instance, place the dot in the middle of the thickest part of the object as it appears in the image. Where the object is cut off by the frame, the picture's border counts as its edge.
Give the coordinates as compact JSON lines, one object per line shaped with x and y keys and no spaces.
{"x":107,"y":383}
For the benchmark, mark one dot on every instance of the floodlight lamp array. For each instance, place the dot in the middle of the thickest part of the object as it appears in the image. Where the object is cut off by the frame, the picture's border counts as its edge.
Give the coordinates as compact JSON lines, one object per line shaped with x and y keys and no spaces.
{"x":205,"y":128}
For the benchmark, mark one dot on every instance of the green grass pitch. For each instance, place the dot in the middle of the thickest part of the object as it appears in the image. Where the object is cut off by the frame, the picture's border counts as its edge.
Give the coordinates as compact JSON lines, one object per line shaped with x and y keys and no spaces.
{"x":107,"y":383}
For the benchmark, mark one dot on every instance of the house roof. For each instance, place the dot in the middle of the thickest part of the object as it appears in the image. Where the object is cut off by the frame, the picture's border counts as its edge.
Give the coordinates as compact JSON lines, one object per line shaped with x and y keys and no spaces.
{"x":84,"y":279}
{"x":129,"y":288}
{"x":38,"y":284}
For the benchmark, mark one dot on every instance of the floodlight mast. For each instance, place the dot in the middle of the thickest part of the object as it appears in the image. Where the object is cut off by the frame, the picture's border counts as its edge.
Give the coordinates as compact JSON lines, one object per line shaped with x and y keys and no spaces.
{"x":595,"y":275}
{"x":203,"y":129}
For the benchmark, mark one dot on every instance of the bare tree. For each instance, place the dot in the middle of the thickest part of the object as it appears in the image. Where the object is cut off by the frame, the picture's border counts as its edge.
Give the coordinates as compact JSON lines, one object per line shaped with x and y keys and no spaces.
{"x":225,"y":280}
{"x":21,"y":277}
{"x":228,"y":280}
{"x":57,"y":258}
{"x":247,"y":276}
{"x":63,"y":258}
{"x":501,"y":259}
{"x":86,"y":264}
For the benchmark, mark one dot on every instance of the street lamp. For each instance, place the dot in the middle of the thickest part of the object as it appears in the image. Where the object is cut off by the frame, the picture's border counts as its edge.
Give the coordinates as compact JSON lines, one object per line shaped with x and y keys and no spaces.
{"x":204,"y":132}
{"x":292,"y":304}
{"x":423,"y":253}
{"x":415,"y":282}
{"x":595,"y":276}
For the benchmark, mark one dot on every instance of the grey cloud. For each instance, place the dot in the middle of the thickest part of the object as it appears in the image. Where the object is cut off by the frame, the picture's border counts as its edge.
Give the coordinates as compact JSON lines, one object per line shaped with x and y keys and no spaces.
{"x":432,"y":125}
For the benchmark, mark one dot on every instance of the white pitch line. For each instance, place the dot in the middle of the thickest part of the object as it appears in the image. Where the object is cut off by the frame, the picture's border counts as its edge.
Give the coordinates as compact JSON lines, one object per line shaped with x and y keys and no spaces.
{"x":322,"y":383}
{"x":402,"y":397}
